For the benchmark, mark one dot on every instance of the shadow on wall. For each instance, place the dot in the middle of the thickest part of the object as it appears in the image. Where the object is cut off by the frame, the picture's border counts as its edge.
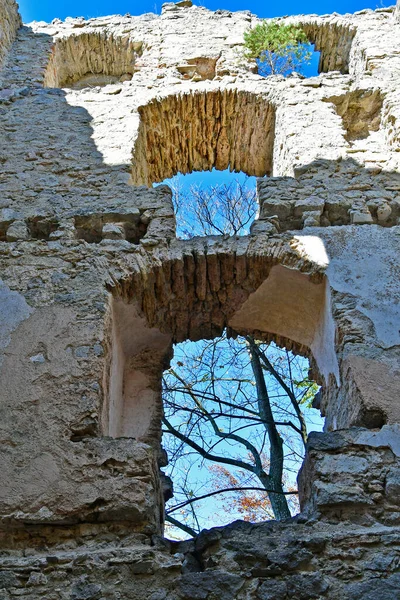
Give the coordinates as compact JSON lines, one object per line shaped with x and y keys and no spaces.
{"x":329,"y":193}
{"x":53,"y":180}
{"x":63,"y":188}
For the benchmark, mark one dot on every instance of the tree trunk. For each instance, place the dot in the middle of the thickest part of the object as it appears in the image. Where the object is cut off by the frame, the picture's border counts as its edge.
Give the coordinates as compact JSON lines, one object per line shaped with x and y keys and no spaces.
{"x":278,"y":501}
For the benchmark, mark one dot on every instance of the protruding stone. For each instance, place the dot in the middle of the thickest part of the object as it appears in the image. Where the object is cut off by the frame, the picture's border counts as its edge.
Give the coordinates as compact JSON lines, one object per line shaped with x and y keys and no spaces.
{"x":311,"y":218}
{"x":113,"y":231}
{"x":18,"y":230}
{"x":38,"y":358}
{"x":312,"y":203}
{"x":383,"y":212}
{"x":360,"y":217}
{"x":263,"y":227}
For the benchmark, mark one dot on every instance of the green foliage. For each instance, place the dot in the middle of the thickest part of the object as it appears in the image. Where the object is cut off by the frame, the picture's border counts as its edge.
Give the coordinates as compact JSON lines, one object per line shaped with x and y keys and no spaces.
{"x":310,"y":389}
{"x":279,"y":48}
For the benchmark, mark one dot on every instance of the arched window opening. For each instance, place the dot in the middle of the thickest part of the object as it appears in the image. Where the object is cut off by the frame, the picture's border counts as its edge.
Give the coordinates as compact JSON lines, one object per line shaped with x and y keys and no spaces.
{"x":308,"y":47}
{"x":307,"y":65}
{"x":333,"y":40}
{"x":271,"y":294}
{"x":237,"y":413}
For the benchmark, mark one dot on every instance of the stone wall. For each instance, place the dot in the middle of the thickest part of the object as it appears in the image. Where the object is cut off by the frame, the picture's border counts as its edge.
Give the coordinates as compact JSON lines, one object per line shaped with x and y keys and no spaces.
{"x":95,"y":289}
{"x":345,"y":545}
{"x":9,"y":23}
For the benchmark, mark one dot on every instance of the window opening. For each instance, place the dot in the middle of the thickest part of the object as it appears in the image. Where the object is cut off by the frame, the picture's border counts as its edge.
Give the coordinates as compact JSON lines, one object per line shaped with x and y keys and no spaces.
{"x":90,"y":60}
{"x":280,"y":49}
{"x":286,"y":65}
{"x":237,"y":413}
{"x":213,"y":203}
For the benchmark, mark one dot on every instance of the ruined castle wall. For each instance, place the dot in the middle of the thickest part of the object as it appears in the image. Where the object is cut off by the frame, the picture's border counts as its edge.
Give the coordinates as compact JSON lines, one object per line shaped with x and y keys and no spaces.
{"x":95,"y":288}
{"x":10,"y":21}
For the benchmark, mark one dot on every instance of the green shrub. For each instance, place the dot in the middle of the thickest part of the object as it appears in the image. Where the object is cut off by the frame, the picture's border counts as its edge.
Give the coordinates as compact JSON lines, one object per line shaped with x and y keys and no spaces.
{"x":279,"y":48}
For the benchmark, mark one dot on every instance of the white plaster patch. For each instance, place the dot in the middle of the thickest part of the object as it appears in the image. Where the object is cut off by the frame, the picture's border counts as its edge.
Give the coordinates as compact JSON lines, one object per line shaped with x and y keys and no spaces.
{"x":388,"y":436}
{"x":364,"y":263}
{"x":13,"y":310}
{"x":323,"y":346}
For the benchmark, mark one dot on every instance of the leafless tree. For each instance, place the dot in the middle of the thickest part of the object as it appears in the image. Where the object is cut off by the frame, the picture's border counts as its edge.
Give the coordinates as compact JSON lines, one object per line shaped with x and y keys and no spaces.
{"x":226,"y":209}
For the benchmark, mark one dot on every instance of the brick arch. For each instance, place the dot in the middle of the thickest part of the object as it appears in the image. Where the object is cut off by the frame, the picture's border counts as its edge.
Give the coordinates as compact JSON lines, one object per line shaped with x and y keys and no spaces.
{"x":274,"y":293}
{"x":200,"y":130}
{"x":334,"y":40}
{"x":90,"y":56}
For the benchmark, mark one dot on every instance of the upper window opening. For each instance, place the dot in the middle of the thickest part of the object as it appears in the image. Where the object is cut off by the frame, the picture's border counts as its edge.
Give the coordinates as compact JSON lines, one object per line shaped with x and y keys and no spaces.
{"x":279,"y":48}
{"x":285,"y":45}
{"x":213,"y":203}
{"x":333,"y":41}
{"x":237,"y":413}
{"x":306,"y":63}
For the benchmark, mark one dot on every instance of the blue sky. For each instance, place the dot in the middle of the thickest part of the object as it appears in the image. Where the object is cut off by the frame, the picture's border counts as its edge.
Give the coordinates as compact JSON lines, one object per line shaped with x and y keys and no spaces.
{"x":46,"y":10}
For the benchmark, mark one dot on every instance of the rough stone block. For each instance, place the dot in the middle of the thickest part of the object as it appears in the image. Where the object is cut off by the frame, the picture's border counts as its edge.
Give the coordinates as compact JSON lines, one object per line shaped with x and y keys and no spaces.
{"x":18,"y":230}
{"x":358,"y":217}
{"x":311,"y":203}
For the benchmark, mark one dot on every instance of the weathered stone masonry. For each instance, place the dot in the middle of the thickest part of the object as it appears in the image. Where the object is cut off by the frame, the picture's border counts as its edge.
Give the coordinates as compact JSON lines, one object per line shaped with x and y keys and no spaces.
{"x":10,"y":21}
{"x":95,"y":288}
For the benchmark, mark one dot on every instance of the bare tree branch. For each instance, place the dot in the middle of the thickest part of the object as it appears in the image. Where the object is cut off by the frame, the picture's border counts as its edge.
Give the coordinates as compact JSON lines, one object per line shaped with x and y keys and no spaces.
{"x":215,"y":458}
{"x":180,"y":525}
{"x":287,"y":389}
{"x":222,"y":491}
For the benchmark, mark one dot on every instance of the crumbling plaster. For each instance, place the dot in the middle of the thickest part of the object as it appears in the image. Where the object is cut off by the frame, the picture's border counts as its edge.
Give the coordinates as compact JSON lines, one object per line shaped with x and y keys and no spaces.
{"x":96,"y":288}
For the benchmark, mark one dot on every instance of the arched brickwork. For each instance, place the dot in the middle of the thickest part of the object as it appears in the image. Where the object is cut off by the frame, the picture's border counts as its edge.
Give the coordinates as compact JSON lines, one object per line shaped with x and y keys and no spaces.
{"x":90,"y":56}
{"x":201,"y":130}
{"x":334,"y":41}
{"x":274,"y":295}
